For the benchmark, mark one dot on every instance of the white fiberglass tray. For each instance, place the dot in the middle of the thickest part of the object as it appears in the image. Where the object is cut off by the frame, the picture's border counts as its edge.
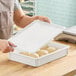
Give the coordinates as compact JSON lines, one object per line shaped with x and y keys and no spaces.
{"x":61,"y":52}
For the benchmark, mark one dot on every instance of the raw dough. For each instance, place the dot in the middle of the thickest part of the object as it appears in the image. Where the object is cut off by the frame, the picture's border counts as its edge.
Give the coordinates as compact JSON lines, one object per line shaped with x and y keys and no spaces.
{"x":44,"y":47}
{"x":51,"y":49}
{"x":42,"y":52}
{"x":35,"y":55}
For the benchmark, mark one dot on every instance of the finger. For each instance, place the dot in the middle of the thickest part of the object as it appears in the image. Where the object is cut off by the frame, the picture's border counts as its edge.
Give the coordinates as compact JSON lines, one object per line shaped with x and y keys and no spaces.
{"x":45,"y":19}
{"x":8,"y":49}
{"x":11,"y":44}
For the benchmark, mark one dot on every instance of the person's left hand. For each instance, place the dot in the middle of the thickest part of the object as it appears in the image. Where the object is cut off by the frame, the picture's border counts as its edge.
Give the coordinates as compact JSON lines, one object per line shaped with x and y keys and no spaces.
{"x":42,"y":18}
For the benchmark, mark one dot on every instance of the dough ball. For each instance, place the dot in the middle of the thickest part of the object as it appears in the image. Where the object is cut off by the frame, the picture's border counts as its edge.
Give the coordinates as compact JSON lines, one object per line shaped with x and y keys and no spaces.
{"x":44,"y":47}
{"x":35,"y":55}
{"x":42,"y":52}
{"x":25,"y":53}
{"x":51,"y":49}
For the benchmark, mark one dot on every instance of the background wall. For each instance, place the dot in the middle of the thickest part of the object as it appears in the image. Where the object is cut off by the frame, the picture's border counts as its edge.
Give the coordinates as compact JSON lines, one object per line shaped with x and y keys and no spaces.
{"x":62,"y":12}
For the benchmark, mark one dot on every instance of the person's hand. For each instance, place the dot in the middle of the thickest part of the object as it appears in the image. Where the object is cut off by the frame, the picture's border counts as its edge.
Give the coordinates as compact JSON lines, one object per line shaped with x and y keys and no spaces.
{"x":42,"y":18}
{"x":6,"y":46}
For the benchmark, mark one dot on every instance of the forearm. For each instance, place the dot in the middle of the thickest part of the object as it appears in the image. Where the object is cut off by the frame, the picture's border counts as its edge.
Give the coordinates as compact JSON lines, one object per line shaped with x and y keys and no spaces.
{"x":21,"y":19}
{"x":24,"y":21}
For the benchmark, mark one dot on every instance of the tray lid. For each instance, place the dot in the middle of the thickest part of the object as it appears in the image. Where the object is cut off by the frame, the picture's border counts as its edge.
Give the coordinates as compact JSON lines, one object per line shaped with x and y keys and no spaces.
{"x":35,"y":35}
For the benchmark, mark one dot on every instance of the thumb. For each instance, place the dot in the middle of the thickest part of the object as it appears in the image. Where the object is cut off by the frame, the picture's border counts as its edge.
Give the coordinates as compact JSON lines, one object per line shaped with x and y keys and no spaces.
{"x":11,"y":44}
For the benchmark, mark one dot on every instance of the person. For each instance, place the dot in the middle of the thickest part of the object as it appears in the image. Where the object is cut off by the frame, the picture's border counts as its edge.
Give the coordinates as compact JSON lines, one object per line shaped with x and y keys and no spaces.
{"x":11,"y":11}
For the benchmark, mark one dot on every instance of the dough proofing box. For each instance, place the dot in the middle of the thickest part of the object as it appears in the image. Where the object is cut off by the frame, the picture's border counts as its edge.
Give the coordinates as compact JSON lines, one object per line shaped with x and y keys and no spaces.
{"x":33,"y":37}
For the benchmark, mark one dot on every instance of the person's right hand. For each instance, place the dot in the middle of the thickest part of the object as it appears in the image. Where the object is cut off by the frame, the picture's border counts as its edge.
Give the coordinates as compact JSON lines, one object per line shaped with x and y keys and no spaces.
{"x":6,"y":46}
